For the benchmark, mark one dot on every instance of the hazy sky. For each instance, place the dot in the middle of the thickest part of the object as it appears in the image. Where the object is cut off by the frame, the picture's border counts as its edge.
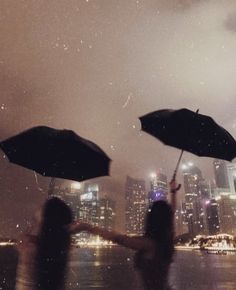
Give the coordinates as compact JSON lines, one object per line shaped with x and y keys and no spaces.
{"x":96,"y":66}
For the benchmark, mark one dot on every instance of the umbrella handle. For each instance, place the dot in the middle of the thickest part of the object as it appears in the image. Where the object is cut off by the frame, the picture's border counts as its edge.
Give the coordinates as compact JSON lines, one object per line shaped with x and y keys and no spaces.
{"x":173,"y":179}
{"x":174,"y":175}
{"x":177,"y":188}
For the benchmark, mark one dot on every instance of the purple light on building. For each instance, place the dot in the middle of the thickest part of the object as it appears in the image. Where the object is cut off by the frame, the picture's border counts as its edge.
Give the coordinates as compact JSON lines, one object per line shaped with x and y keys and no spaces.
{"x":157,"y":195}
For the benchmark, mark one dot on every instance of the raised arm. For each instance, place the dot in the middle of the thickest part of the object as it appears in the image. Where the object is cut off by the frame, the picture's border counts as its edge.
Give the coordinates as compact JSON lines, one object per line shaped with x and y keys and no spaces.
{"x":135,"y":243}
{"x":173,"y":189}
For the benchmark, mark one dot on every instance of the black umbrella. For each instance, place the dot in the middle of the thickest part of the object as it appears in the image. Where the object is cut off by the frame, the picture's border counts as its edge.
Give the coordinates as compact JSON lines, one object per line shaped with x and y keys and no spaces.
{"x":190,"y":131}
{"x":56,"y":153}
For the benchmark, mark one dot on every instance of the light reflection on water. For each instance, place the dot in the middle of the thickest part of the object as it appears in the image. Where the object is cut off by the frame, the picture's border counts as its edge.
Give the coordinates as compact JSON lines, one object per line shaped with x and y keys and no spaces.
{"x":113,"y":269}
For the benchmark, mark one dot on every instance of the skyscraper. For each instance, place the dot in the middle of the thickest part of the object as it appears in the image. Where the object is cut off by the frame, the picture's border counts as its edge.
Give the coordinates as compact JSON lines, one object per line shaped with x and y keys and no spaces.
{"x":221,"y":174}
{"x":136,"y":206}
{"x":212,"y":217}
{"x":159,"y":188}
{"x":231,"y":168}
{"x":193,"y":199}
{"x":227,"y":213}
{"x":96,"y":210}
{"x":181,"y":224}
{"x":106,"y":213}
{"x":89,"y":207}
{"x":89,"y":204}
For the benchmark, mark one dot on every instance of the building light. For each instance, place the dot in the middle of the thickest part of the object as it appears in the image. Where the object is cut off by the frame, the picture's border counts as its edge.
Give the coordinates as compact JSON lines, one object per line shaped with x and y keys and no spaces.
{"x":76,"y":185}
{"x":184,"y":167}
{"x":153,"y":175}
{"x":225,"y":193}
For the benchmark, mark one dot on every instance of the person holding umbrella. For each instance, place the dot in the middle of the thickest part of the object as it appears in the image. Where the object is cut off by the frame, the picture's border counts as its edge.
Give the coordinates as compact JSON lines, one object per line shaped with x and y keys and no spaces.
{"x":57,"y":154}
{"x":190,"y":131}
{"x":155,"y":249}
{"x":43,"y":255}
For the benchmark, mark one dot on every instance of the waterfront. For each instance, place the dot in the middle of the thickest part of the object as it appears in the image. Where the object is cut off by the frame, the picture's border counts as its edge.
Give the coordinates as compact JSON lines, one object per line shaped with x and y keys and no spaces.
{"x":112,"y":268}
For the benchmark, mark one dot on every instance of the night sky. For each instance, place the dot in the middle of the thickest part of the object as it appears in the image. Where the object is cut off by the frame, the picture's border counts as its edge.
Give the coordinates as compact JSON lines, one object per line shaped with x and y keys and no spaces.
{"x":95,"y":67}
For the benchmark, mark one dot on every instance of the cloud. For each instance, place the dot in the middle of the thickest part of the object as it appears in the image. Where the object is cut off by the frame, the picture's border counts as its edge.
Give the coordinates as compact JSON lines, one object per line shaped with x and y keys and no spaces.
{"x":230,"y":22}
{"x":176,"y":5}
{"x":96,"y":66}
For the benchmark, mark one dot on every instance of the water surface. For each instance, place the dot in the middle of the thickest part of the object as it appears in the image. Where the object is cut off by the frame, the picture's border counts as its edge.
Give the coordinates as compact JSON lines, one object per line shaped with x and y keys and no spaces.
{"x":113,"y":269}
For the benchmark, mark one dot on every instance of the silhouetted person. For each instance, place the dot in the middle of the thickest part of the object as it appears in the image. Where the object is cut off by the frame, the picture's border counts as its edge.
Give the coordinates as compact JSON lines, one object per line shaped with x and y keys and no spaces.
{"x":155,"y":248}
{"x":43,"y":257}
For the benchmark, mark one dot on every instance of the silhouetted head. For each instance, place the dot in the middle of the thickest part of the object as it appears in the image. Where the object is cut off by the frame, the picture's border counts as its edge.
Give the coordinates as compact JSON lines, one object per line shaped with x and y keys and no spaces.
{"x":159,"y":221}
{"x":56,"y":214}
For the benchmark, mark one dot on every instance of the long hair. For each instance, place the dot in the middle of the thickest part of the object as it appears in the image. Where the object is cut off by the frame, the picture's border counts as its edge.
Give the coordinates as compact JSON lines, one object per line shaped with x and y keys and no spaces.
{"x":159,"y":227}
{"x":53,"y":245}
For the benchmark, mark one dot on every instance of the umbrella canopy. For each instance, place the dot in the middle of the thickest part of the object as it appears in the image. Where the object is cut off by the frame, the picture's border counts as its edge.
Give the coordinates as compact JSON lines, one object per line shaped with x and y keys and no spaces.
{"x":56,"y":153}
{"x":190,"y":131}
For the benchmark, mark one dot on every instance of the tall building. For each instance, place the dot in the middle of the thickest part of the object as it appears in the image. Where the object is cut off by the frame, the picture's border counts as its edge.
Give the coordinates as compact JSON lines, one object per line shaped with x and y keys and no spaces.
{"x":136,"y":206}
{"x":96,"y":210}
{"x":205,"y":188}
{"x":212,"y":189}
{"x":159,"y":188}
{"x":227,"y":213}
{"x":212,"y":217}
{"x":106,"y":213}
{"x":88,"y":208}
{"x":87,"y":205}
{"x":221,"y":174}
{"x":232,"y":177}
{"x":193,"y":199}
{"x":181,"y":224}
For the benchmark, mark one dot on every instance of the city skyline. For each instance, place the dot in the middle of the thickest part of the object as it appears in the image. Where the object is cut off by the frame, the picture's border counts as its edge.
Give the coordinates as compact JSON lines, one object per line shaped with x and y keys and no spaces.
{"x":104,"y":191}
{"x":205,"y":208}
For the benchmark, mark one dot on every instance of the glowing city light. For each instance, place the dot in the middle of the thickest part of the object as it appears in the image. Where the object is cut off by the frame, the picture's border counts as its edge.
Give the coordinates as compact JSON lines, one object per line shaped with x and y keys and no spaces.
{"x":153,"y":175}
{"x":184,"y":166}
{"x":76,"y":185}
